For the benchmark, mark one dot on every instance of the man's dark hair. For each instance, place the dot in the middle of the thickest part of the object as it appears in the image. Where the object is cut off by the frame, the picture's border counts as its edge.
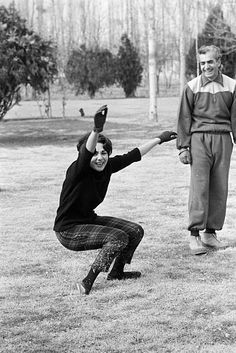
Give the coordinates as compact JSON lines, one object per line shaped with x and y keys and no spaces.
{"x":107,"y":144}
{"x":206,"y":48}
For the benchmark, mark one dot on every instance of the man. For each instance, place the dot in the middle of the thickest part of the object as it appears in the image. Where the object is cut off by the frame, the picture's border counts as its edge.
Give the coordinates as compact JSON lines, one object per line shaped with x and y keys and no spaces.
{"x":206,"y":119}
{"x":77,"y":226}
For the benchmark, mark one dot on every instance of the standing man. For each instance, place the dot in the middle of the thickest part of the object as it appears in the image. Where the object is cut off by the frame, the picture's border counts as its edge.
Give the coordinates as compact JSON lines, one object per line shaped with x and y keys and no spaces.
{"x":207,"y":116}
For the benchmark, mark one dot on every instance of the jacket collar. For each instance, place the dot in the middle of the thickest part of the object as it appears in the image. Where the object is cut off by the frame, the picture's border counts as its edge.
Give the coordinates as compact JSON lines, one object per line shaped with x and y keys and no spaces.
{"x":218,"y":79}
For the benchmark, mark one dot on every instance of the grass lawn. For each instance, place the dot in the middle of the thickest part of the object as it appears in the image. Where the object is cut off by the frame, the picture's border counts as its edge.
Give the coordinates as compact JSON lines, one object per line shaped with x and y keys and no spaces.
{"x":181,"y":303}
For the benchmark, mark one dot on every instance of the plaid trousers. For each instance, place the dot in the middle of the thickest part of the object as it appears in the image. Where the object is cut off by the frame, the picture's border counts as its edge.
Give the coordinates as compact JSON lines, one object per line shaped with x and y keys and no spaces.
{"x":116,"y":237}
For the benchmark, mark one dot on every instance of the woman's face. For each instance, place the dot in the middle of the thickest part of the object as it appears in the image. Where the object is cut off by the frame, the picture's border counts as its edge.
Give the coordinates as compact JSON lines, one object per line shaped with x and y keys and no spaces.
{"x":100,"y":158}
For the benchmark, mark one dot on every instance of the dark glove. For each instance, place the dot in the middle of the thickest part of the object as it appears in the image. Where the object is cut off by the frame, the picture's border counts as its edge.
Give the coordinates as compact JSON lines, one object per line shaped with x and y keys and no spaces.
{"x":167,"y":136}
{"x":100,"y":118}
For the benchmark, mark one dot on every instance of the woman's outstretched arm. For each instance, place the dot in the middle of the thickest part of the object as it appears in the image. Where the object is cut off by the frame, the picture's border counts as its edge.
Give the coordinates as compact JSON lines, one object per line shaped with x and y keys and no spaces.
{"x":163,"y":137}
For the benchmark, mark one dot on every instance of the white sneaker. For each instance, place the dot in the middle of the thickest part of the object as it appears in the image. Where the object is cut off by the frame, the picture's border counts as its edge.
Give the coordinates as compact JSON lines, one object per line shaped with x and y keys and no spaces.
{"x":196,"y":246}
{"x":210,"y":240}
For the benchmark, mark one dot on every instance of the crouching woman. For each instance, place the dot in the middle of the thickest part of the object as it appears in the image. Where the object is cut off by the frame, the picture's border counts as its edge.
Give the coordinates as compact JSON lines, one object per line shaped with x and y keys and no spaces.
{"x":77,"y":226}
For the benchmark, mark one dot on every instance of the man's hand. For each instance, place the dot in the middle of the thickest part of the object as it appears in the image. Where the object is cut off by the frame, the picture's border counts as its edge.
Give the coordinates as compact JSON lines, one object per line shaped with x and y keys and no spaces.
{"x":100,"y":118}
{"x":167,"y":136}
{"x":185,"y":156}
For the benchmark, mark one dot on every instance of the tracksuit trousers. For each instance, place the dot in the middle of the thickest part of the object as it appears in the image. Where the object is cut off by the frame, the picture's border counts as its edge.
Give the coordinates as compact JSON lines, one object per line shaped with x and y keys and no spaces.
{"x":211,"y":155}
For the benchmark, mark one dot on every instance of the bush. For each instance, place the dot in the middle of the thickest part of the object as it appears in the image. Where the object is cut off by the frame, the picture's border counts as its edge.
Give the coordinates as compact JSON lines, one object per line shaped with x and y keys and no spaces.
{"x":128,"y":67}
{"x":25,"y":58}
{"x":88,"y":70}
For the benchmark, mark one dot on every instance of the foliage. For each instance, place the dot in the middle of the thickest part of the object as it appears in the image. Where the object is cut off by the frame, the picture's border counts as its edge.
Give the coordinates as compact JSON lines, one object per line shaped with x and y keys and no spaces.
{"x":216,"y":32}
{"x":25,"y":58}
{"x":128,"y":67}
{"x":90,"y":69}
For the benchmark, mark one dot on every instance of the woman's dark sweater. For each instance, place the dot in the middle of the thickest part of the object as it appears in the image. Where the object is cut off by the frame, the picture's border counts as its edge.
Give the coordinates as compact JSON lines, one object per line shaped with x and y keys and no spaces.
{"x":84,"y":188}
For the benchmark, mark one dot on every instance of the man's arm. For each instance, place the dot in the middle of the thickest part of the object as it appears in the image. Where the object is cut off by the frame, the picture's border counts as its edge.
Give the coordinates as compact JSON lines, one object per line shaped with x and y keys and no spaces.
{"x":185,"y":119}
{"x":233,"y":116}
{"x":183,"y":142}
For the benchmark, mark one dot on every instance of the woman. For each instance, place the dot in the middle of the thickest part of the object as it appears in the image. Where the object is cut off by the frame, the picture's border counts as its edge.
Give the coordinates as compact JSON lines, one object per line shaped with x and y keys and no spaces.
{"x":77,"y":226}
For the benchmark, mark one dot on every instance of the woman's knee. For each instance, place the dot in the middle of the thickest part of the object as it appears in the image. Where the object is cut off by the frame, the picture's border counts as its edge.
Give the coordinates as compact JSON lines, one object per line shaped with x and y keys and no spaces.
{"x":118,"y":240}
{"x":139,"y":231}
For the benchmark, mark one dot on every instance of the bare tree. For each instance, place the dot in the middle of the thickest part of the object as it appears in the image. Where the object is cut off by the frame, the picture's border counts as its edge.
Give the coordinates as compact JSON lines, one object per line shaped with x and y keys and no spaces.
{"x":152,"y":63}
{"x":182,"y":44}
{"x":102,"y":22}
{"x":40,"y":17}
{"x":110,"y":10}
{"x":197,"y":31}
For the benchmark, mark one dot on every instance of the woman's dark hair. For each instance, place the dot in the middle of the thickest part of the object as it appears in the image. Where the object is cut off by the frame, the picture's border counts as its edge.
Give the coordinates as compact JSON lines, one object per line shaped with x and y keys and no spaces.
{"x":107,"y":144}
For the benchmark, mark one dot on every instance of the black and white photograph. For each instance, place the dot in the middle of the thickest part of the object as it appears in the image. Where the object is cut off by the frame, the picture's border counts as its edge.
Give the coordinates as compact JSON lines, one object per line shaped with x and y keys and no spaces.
{"x":117,"y":176}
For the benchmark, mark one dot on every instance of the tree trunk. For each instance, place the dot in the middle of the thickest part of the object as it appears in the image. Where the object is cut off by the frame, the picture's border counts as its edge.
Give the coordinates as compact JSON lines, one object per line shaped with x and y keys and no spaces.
{"x":182,"y":46}
{"x":152,"y":63}
{"x":110,"y":24}
{"x":197,"y":30}
{"x":40,"y":12}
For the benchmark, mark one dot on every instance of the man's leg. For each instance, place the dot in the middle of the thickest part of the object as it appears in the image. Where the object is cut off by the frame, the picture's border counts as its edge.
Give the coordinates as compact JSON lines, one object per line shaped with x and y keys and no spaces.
{"x":222,"y":149}
{"x":199,"y":183}
{"x":199,"y":190}
{"x":219,"y":176}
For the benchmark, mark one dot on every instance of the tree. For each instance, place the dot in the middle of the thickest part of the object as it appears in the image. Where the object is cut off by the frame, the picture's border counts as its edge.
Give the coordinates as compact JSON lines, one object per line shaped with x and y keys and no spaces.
{"x":25,"y":59}
{"x":128,"y":67}
{"x":182,"y":46}
{"x":152,"y":64}
{"x":90,"y":69}
{"x":218,"y":33}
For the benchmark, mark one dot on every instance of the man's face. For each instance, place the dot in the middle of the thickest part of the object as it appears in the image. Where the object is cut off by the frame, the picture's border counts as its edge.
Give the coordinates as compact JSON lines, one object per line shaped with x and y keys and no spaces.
{"x":209,"y":65}
{"x":100,"y":158}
